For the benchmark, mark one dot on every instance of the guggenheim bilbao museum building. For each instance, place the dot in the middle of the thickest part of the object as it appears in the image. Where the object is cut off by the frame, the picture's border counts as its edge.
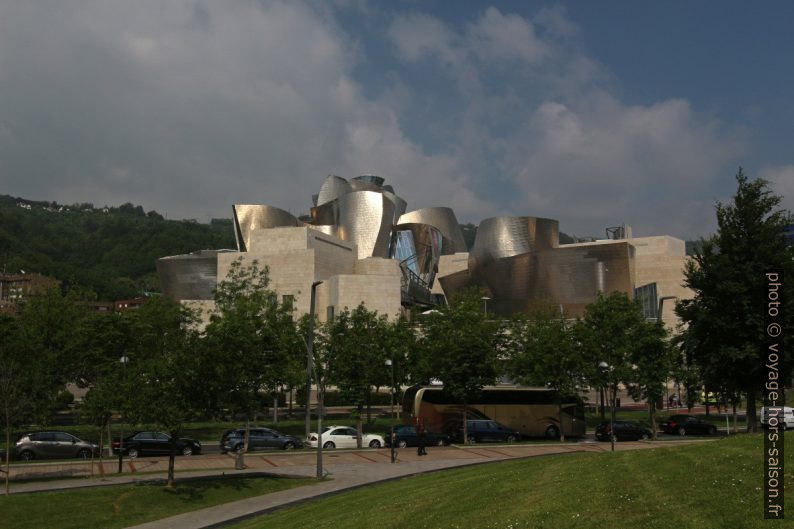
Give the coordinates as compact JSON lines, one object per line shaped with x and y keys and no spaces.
{"x":366,"y":248}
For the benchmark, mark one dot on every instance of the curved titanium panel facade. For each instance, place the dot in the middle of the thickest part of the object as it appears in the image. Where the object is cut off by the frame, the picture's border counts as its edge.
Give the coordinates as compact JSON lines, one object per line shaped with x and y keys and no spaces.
{"x":499,"y":237}
{"x":189,"y":276}
{"x":251,"y":217}
{"x":570,"y":277}
{"x":399,"y":205}
{"x":365,"y":218}
{"x":442,"y":219}
{"x":452,"y":284}
{"x":333,"y":187}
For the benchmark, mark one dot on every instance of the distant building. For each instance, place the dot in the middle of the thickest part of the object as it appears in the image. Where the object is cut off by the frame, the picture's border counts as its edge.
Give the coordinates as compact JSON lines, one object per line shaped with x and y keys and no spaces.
{"x":130,"y":304}
{"x":15,"y":287}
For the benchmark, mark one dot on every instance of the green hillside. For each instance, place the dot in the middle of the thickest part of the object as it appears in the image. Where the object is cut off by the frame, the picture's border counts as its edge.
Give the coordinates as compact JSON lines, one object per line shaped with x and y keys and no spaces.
{"x":111,"y":250}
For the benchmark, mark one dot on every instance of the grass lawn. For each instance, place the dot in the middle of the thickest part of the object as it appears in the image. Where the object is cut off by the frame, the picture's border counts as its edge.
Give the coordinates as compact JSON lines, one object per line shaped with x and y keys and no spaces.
{"x":710,"y":485}
{"x":124,"y":505}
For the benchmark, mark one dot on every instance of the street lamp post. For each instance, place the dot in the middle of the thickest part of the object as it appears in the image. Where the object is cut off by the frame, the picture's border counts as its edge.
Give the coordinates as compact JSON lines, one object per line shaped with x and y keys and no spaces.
{"x":309,"y":353}
{"x":391,"y":434}
{"x":124,"y":361}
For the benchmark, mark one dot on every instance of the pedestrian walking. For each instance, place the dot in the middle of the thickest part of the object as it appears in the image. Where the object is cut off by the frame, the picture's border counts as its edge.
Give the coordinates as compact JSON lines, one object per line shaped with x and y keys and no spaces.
{"x":420,"y":433}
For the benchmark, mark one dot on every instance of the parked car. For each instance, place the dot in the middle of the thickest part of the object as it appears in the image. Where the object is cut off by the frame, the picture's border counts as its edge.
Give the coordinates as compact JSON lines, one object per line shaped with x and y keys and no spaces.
{"x":155,"y":444}
{"x":624,"y":431}
{"x":405,"y":435}
{"x":52,"y":445}
{"x":345,"y":437}
{"x":785,"y":417}
{"x":688,"y":425}
{"x":258,"y":439}
{"x":481,"y":430}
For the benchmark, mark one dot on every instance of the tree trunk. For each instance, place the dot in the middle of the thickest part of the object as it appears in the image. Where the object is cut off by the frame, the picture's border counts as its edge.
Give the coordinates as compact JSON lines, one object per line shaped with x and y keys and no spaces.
{"x":101,"y":448}
{"x":559,"y":418}
{"x":653,"y":419}
{"x":752,"y":423}
{"x":735,"y":419}
{"x":465,"y":424}
{"x":275,"y":408}
{"x":359,"y":425}
{"x":612,"y":416}
{"x":110,"y":440}
{"x":247,"y":433}
{"x":8,"y":450}
{"x":369,"y":407}
{"x":171,"y":458}
{"x":289,"y":409}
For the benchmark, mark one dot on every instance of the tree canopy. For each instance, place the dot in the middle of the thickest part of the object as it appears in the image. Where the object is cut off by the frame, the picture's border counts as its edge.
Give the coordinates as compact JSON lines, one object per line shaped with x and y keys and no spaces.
{"x":725,"y":318}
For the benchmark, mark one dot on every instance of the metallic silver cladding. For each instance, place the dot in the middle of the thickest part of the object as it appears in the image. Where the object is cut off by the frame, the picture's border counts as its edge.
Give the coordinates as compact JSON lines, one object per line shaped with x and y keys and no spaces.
{"x":248,"y":218}
{"x":570,"y":277}
{"x":442,"y":219}
{"x":500,"y":237}
{"x":365,"y":218}
{"x":399,"y":205}
{"x":333,"y":187}
{"x":189,"y":276}
{"x":454,"y":283}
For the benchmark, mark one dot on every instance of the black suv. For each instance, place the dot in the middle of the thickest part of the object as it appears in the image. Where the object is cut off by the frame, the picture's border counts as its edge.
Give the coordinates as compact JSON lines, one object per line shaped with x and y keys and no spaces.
{"x":624,"y":431}
{"x":258,"y":439}
{"x":688,"y":425}
{"x":155,"y":443}
{"x":486,"y":430}
{"x":405,"y":435}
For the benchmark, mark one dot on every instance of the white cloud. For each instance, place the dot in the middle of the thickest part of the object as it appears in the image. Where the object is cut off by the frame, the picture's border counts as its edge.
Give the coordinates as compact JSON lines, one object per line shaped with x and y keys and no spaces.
{"x":188,"y":107}
{"x":574,"y":151}
{"x":782,"y":179}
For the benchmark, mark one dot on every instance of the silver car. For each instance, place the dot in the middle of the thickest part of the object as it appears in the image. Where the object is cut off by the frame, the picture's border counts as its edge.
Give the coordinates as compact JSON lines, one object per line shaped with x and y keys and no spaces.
{"x":52,"y":445}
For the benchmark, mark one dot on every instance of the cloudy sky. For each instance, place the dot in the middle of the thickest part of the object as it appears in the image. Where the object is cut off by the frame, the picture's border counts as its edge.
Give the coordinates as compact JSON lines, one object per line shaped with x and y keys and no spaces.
{"x":593,"y":113}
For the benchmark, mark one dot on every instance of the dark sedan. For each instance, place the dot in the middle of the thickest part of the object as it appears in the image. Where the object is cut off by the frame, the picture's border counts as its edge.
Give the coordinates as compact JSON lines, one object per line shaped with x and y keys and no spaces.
{"x":485,"y":430}
{"x":624,"y":431}
{"x":405,"y":435}
{"x":155,"y":444}
{"x":688,"y":425}
{"x":258,"y":439}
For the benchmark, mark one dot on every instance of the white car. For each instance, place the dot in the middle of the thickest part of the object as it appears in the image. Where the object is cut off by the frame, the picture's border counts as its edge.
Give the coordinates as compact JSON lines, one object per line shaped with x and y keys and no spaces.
{"x":344,"y":437}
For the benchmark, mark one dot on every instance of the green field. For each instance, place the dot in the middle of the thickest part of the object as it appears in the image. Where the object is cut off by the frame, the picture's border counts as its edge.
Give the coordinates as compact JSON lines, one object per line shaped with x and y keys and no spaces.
{"x":709,"y":485}
{"x":124,"y":505}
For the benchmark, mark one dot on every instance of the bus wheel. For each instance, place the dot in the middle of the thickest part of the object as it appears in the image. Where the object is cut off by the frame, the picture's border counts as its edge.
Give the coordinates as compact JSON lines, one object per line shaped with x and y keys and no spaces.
{"x":471,"y":440}
{"x":511,"y":438}
{"x":552,"y":432}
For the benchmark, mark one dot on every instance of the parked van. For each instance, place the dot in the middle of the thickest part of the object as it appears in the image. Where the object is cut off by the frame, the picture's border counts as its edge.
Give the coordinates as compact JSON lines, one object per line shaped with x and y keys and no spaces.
{"x":785,"y":417}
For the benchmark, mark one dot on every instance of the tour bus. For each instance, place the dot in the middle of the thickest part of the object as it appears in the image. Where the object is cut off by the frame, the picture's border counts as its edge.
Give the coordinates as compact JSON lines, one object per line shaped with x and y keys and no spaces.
{"x":531,"y":411}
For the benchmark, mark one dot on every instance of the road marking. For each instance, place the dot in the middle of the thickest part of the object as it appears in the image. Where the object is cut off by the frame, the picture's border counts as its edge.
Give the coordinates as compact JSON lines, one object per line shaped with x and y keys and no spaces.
{"x":476,"y":453}
{"x":497,"y":451}
{"x":362,"y":456}
{"x":266,"y":460}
